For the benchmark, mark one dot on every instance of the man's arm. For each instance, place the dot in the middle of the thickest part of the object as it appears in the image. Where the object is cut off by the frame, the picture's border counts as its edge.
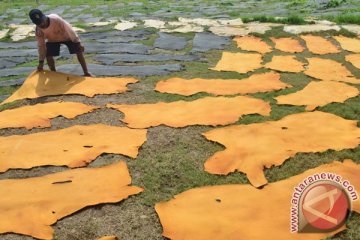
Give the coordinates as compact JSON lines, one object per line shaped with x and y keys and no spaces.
{"x":41,"y":48}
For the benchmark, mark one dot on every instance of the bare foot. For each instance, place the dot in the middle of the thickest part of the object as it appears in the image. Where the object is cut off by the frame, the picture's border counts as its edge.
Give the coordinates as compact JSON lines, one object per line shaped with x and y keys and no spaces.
{"x":88,"y":74}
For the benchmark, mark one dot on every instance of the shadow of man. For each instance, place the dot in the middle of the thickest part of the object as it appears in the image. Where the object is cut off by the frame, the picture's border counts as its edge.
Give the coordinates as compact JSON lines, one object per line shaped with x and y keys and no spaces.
{"x":50,"y":83}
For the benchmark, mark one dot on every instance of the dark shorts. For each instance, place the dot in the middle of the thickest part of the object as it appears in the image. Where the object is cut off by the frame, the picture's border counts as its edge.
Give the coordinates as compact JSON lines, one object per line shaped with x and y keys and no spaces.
{"x":53,"y":48}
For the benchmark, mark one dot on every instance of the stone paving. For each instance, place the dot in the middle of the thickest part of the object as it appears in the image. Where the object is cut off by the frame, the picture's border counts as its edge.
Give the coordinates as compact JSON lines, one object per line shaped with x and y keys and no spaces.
{"x":16,"y":71}
{"x":204,"y":42}
{"x":109,"y":59}
{"x":3,"y":97}
{"x":159,"y":39}
{"x":169,"y":42}
{"x":112,"y":38}
{"x":108,"y":47}
{"x":142,"y":70}
{"x":15,"y":82}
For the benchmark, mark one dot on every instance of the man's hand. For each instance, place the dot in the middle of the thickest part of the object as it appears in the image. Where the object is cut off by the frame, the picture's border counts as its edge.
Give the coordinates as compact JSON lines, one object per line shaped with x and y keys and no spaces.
{"x":82,"y":48}
{"x":40,"y":67}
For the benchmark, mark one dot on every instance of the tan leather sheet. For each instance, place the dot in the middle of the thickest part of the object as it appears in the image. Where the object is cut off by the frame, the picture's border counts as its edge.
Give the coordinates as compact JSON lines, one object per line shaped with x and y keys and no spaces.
{"x":74,"y":146}
{"x":329,"y":70}
{"x":354,"y":59}
{"x":109,"y":238}
{"x":239,"y":62}
{"x":285,"y":64}
{"x":255,"y":83}
{"x":253,"y":147}
{"x":251,"y":43}
{"x":319,"y":45}
{"x":30,"y":206}
{"x":39,"y":115}
{"x":349,"y":44}
{"x":243,"y":212}
{"x":317,"y":94}
{"x":48,"y":83}
{"x":290,"y":45}
{"x":205,"y":111}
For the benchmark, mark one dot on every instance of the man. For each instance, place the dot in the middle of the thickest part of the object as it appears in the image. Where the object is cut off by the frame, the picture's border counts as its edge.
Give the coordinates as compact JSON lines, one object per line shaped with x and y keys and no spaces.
{"x":56,"y":31}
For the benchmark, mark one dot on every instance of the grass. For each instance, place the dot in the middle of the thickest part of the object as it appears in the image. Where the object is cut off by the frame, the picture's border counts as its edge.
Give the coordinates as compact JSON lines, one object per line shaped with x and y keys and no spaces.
{"x":33,"y":63}
{"x":341,"y":19}
{"x":297,"y":3}
{"x":7,"y":38}
{"x":179,"y":159}
{"x":7,"y":90}
{"x":11,"y":105}
{"x":10,"y":77}
{"x":150,"y":41}
{"x":81,"y":25}
{"x":295,"y":7}
{"x":334,"y":3}
{"x":286,"y":20}
{"x":352,"y":232}
{"x":90,"y":29}
{"x":178,"y":175}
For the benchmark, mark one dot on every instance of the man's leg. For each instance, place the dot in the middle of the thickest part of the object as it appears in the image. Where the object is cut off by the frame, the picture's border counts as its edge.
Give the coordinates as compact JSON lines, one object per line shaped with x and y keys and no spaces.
{"x":52,"y":49}
{"x":78,"y":49}
{"x":51,"y":63}
{"x":81,"y":59}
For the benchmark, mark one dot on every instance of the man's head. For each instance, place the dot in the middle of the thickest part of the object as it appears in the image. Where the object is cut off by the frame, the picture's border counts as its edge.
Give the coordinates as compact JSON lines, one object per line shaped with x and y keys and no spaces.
{"x":37,"y":17}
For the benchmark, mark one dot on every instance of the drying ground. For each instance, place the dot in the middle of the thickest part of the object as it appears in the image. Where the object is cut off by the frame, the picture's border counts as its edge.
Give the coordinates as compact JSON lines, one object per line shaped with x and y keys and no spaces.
{"x":171,"y":161}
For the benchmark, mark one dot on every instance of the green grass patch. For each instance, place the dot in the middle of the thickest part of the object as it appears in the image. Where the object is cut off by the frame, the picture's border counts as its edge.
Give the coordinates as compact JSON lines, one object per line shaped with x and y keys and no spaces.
{"x":350,"y":109}
{"x":11,"y":105}
{"x":11,"y":77}
{"x":107,"y":28}
{"x":148,"y":42}
{"x":346,"y":18}
{"x":294,"y":19}
{"x":352,"y":232}
{"x":7,"y":37}
{"x":7,"y":90}
{"x":33,"y":63}
{"x":180,"y":159}
{"x":81,"y":25}
{"x":334,"y":3}
{"x":276,"y":32}
{"x":296,"y":3}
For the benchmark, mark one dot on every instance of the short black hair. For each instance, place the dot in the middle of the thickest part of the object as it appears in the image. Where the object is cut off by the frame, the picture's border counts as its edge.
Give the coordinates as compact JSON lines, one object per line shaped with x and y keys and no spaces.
{"x":36,"y":16}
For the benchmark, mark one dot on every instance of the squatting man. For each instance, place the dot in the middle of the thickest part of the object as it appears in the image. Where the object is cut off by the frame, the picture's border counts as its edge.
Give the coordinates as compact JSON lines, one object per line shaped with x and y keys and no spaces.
{"x":51,"y":31}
